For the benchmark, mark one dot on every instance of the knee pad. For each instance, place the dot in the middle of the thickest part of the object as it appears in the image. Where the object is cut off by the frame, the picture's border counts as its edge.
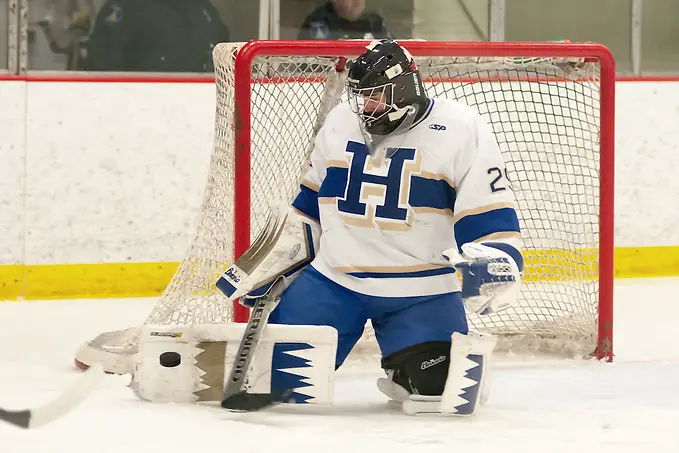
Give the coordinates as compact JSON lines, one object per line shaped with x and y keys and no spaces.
{"x":421,"y":369}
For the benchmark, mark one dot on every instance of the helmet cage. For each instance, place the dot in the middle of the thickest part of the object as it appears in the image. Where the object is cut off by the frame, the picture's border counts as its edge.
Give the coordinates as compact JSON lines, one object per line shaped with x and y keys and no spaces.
{"x":372,"y":103}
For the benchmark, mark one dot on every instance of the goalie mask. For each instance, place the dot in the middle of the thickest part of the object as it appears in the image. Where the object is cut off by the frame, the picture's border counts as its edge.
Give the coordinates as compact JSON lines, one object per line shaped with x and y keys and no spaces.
{"x":385,"y":91}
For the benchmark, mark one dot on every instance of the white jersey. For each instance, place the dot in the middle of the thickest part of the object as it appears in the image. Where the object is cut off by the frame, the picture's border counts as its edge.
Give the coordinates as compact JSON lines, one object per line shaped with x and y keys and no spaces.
{"x":385,"y":224}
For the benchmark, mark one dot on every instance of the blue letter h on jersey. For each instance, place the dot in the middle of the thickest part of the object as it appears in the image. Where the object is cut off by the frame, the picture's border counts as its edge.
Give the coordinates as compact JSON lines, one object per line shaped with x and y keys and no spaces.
{"x":391,"y":182}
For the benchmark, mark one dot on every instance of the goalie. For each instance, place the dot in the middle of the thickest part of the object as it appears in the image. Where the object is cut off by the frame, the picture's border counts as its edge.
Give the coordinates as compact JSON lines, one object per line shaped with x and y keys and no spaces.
{"x":402,"y":192}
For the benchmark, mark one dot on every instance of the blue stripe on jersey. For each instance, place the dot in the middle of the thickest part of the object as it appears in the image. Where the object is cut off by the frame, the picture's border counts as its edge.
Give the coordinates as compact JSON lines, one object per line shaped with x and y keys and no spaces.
{"x":416,"y":274}
{"x":473,"y":227}
{"x":307,"y":202}
{"x":431,"y":193}
{"x":335,"y":182}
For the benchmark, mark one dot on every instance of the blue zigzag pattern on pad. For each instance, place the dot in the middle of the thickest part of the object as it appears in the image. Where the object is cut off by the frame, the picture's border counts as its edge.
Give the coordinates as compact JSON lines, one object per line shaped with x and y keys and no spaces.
{"x":470,"y":393}
{"x":283,"y":380}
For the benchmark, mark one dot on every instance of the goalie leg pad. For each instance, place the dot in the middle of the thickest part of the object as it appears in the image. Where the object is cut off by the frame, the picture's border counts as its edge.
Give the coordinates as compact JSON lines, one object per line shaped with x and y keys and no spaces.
{"x":469,"y":362}
{"x":189,"y":364}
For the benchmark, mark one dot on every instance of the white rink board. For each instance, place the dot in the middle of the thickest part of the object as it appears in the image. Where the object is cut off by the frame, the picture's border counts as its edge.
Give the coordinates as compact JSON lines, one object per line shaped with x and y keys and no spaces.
{"x":647,"y":161}
{"x":115,"y":171}
{"x":12,"y":174}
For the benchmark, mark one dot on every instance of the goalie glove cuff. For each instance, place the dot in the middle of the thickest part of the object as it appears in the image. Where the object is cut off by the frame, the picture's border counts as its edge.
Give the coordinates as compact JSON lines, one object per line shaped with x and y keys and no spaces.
{"x":509,"y":250}
{"x":491,"y":275}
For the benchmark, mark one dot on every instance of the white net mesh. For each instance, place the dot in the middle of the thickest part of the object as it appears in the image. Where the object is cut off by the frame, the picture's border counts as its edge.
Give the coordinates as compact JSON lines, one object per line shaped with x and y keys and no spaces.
{"x":546,"y":116}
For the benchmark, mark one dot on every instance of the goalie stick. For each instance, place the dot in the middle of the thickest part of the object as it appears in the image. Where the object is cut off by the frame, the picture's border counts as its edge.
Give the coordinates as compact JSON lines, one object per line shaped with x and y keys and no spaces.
{"x":68,"y":400}
{"x":230,"y":283}
{"x":236,"y":397}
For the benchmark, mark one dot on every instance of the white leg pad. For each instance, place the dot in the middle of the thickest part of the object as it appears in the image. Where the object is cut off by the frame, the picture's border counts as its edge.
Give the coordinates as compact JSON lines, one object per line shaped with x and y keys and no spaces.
{"x":466,"y":375}
{"x":190,"y":364}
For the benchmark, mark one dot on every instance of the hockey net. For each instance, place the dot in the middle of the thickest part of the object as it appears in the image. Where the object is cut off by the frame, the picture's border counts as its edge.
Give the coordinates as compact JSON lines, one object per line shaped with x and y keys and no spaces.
{"x":551,"y":108}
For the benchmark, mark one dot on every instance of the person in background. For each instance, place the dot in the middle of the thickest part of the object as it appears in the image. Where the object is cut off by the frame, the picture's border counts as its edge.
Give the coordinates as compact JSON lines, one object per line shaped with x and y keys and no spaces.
{"x":155,"y":36}
{"x":343,"y":19}
{"x":58,"y":31}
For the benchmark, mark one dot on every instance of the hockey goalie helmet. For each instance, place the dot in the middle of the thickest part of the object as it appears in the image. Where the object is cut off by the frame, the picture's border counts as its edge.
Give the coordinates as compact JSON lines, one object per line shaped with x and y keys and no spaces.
{"x":384,"y":88}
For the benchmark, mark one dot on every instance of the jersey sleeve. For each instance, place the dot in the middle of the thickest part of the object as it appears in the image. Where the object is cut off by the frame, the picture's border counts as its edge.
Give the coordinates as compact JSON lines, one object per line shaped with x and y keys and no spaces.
{"x":485,"y":207}
{"x":306,"y":202}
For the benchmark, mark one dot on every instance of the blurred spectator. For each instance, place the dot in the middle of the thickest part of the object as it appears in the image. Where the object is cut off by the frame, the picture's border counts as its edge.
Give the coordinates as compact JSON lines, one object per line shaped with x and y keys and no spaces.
{"x":65,"y":28}
{"x":343,"y":19}
{"x":155,"y":36}
{"x":58,"y":31}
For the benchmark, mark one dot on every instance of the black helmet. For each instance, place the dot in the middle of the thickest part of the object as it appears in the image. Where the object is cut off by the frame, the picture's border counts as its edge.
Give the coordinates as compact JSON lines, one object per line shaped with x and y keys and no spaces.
{"x":385,"y":87}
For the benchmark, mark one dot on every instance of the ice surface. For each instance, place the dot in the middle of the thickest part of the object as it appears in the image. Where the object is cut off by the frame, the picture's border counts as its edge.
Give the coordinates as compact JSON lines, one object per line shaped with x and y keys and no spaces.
{"x":536,"y":404}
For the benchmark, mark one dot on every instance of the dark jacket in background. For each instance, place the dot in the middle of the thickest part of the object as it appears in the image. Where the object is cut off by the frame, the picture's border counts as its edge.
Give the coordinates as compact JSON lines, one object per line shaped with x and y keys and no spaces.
{"x":324,"y":23}
{"x":155,"y":36}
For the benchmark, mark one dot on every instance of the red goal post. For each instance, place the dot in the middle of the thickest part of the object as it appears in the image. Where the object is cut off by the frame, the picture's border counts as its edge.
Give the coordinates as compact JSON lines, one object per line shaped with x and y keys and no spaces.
{"x":244,"y":81}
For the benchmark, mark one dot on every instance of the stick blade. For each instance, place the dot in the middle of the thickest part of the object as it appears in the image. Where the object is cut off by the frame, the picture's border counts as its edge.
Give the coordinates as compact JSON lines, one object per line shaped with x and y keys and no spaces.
{"x":248,"y":402}
{"x":64,"y":403}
